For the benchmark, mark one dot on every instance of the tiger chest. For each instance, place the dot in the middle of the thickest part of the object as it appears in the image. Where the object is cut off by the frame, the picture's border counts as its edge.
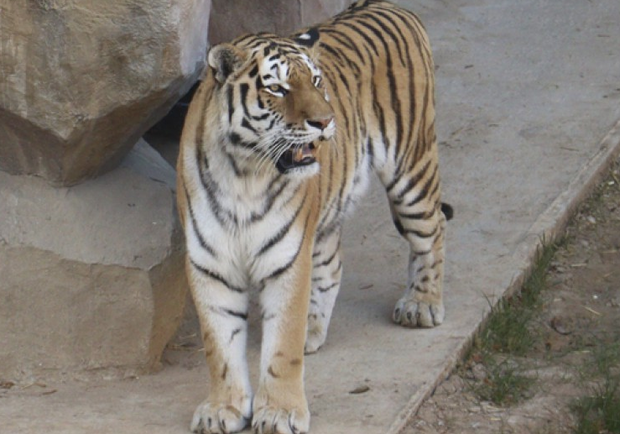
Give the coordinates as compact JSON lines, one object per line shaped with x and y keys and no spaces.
{"x":249,"y":234}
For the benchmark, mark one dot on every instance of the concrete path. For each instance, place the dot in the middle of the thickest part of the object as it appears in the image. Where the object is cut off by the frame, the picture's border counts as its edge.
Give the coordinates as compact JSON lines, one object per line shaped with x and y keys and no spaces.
{"x":528,"y":97}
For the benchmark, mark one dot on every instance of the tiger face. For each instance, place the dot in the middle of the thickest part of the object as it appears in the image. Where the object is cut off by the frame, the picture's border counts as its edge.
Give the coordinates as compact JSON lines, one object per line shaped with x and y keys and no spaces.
{"x":277,"y":110}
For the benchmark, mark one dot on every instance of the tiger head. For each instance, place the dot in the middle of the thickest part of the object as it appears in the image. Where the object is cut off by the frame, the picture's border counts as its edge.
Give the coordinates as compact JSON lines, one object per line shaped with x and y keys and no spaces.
{"x":275,"y":109}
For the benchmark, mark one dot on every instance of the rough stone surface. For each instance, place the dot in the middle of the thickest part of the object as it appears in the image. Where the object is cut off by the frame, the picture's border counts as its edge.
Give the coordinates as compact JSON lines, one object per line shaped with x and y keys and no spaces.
{"x":277,"y":16}
{"x":92,"y":275}
{"x":80,"y":85}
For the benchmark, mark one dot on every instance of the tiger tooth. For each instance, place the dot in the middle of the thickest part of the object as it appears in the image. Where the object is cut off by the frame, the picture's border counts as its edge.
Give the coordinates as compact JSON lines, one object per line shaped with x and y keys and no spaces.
{"x":299,"y":154}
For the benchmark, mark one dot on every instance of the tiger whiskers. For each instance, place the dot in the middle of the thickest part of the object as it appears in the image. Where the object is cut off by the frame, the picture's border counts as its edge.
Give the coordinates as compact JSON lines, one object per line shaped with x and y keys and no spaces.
{"x":271,"y":152}
{"x":266,"y":143}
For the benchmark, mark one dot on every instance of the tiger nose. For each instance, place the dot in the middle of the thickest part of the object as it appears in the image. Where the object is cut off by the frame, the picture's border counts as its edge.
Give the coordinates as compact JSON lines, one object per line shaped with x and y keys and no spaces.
{"x":320,"y":124}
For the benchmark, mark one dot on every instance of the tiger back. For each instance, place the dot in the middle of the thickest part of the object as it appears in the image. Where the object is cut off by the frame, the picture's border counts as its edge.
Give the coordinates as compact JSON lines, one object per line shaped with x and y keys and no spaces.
{"x":279,"y":144}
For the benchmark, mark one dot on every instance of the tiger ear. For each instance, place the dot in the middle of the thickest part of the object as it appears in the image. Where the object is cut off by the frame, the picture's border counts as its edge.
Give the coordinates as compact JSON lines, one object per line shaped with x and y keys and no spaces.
{"x":224,"y":59}
{"x":309,"y":38}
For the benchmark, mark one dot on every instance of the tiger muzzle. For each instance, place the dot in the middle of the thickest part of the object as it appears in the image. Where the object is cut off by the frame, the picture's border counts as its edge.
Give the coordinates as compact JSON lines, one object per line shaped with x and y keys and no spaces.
{"x":297,"y":156}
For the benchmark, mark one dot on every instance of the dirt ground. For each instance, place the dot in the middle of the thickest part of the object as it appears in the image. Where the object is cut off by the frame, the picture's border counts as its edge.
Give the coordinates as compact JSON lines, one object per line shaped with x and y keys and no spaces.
{"x":579,"y":316}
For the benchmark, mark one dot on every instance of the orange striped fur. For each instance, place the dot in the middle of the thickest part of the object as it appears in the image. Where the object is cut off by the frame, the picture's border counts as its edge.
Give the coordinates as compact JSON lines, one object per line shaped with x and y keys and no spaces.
{"x":278,"y":146}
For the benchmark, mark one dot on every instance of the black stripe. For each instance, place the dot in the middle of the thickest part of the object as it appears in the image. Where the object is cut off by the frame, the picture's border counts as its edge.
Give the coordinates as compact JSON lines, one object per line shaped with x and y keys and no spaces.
{"x":420,"y":234}
{"x":245,"y":37}
{"x":331,"y":227}
{"x":215,"y":276}
{"x":417,"y":215}
{"x":254,"y":72}
{"x":244,"y":88}
{"x":201,"y":240}
{"x":327,"y":288}
{"x":330,"y":259}
{"x":413,"y":181}
{"x":246,"y":124}
{"x":341,"y":57}
{"x":435,"y":189}
{"x":231,"y":105}
{"x":277,"y":272}
{"x":370,"y":151}
{"x":351,"y":25}
{"x":234,"y":333}
{"x":425,"y":189}
{"x":261,"y":117}
{"x":436,"y":263}
{"x":211,"y":189}
{"x":344,"y":181}
{"x":421,"y":252}
{"x":240,"y":315}
{"x":236,"y":140}
{"x":255,"y":217}
{"x":387,"y":29}
{"x":345,"y":40}
{"x":233,"y":164}
{"x":399,"y":226}
{"x":259,"y":102}
{"x":378,"y":110}
{"x":412,"y":79}
{"x":282,"y":232}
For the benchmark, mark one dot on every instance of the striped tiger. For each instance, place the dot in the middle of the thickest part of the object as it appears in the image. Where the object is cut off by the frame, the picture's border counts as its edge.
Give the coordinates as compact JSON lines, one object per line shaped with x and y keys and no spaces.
{"x":278,"y":146}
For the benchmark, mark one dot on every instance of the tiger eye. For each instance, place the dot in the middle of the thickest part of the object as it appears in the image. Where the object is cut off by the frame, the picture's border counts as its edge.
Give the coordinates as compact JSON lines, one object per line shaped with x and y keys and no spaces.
{"x":276,"y":88}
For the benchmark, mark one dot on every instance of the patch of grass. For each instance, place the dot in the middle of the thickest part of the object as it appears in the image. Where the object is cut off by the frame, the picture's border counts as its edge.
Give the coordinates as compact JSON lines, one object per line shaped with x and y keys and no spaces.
{"x":504,"y":384}
{"x":537,"y":280}
{"x":508,"y":334}
{"x":599,"y":412}
{"x":507,"y":329}
{"x":606,"y":359}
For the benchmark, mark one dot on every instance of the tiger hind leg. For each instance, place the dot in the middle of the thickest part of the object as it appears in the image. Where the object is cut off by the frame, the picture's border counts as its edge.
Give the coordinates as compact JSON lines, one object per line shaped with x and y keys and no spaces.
{"x":420,"y":219}
{"x":326,"y":275}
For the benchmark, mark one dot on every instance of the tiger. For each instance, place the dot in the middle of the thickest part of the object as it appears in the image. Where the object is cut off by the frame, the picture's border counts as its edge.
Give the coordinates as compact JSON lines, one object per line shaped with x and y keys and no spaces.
{"x":278,"y":145}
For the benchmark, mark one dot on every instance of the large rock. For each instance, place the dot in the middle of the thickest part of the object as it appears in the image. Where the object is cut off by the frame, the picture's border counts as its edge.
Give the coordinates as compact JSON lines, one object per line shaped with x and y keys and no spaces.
{"x":79,"y":84}
{"x":92,"y":276}
{"x":231,"y":18}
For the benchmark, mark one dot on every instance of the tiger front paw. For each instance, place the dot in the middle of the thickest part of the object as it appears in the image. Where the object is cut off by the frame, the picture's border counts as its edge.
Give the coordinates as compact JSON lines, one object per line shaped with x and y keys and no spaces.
{"x":411,"y":312}
{"x":218,"y":419}
{"x":271,"y":420}
{"x":275,"y":415}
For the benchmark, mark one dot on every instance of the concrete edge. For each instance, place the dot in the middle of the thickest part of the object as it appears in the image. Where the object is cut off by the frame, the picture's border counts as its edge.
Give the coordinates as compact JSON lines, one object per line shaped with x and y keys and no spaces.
{"x":546,"y":228}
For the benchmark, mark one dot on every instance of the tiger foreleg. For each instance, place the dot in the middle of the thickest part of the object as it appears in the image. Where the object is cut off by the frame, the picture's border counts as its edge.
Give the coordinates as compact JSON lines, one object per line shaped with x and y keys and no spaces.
{"x":223,"y":322}
{"x":280,"y":405}
{"x":422,"y":302}
{"x":326,"y":276}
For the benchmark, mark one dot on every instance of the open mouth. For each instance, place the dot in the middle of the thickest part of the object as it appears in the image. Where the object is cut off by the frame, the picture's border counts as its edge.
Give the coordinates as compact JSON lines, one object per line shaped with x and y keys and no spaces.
{"x":297,"y":156}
